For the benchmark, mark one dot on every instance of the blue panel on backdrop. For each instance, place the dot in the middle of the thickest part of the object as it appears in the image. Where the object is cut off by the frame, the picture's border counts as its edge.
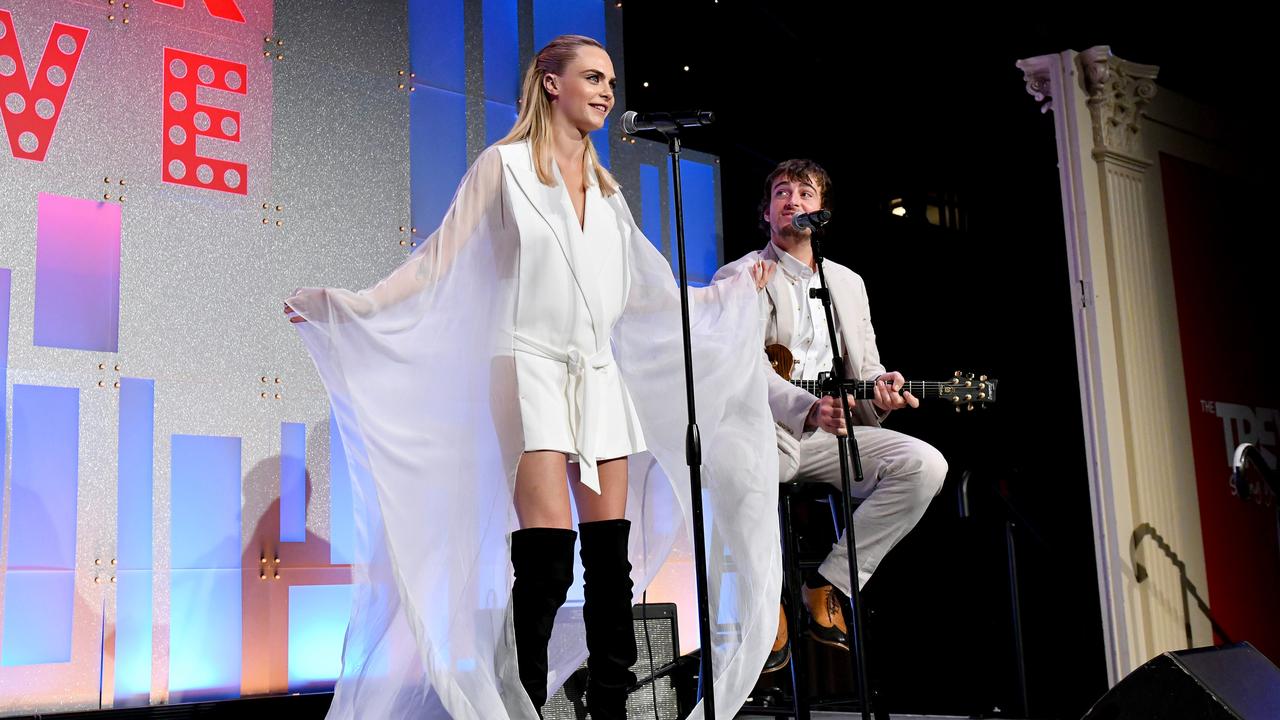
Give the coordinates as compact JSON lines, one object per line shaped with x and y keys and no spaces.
{"x":567,"y":17}
{"x":37,"y":616}
{"x":204,"y":635}
{"x":135,"y":468}
{"x":572,"y":17}
{"x":318,"y":617}
{"x":205,"y":502}
{"x":133,"y":638}
{"x":651,"y":204}
{"x":342,"y":534}
{"x":134,"y":511}
{"x":293,"y":482}
{"x":702,"y":246}
{"x":437,"y":44}
{"x":600,"y":139}
{"x":42,"y":504}
{"x":6,"y":281}
{"x":437,"y":153}
{"x":204,"y":602}
{"x":498,"y":119}
{"x":501,"y":51}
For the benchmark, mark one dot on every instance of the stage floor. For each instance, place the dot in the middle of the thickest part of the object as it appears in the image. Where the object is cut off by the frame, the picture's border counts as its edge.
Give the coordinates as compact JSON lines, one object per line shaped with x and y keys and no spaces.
{"x":823,"y":715}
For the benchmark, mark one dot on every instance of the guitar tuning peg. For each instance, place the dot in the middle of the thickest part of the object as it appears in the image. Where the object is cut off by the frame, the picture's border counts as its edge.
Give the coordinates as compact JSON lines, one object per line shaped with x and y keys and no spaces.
{"x":970,"y":376}
{"x":968,"y":383}
{"x":955,"y":399}
{"x":982,"y":396}
{"x":983,"y":378}
{"x":967,"y":398}
{"x":970,"y":407}
{"x":958,"y":373}
{"x":957,"y":408}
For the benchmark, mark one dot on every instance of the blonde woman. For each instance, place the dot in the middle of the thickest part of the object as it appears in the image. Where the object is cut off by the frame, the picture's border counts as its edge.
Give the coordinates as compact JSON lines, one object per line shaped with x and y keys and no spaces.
{"x":535,"y":336}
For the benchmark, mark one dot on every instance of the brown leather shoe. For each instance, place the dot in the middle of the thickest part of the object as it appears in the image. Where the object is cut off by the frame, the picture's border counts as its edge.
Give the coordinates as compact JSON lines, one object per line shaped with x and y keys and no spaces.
{"x":826,"y":624}
{"x":780,"y":655}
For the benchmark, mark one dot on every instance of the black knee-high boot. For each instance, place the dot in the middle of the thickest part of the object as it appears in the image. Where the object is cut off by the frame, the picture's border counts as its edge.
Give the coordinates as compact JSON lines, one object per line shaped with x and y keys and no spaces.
{"x":606,"y":612}
{"x":543,"y":562}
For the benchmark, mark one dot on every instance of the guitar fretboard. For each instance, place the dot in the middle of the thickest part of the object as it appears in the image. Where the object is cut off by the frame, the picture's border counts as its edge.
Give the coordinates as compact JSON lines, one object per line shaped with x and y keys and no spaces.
{"x":866,"y":389}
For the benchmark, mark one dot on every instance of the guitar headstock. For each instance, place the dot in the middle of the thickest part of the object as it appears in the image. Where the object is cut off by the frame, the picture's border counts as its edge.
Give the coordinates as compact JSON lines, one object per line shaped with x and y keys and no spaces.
{"x":967,"y":391}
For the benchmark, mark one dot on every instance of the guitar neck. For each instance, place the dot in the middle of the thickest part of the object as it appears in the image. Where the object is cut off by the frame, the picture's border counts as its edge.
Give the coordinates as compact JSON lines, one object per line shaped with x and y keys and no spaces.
{"x":866,"y":389}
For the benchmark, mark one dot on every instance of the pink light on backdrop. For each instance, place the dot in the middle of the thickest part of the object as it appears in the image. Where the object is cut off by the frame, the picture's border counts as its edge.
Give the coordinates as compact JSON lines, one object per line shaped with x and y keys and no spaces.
{"x":77,"y":274}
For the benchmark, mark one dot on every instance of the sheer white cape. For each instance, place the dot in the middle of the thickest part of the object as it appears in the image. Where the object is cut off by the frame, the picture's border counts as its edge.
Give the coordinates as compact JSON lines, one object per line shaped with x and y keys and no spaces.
{"x":420,"y":376}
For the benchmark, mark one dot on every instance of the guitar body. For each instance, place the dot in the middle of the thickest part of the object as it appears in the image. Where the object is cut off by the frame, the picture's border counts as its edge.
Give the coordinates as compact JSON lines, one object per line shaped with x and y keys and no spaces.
{"x":781,"y":359}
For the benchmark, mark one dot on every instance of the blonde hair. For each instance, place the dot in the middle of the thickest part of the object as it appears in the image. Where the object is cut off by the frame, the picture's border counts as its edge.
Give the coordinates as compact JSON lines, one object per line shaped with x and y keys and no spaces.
{"x":534,"y":122}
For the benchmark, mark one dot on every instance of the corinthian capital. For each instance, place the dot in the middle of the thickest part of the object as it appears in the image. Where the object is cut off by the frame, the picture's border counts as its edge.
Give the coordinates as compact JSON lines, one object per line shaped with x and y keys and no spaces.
{"x":1117,"y":91}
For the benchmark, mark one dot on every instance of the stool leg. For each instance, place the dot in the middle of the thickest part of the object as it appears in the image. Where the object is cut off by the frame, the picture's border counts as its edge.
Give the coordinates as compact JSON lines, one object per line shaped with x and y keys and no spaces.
{"x":855,"y":597}
{"x":833,"y":504}
{"x":794,"y":579}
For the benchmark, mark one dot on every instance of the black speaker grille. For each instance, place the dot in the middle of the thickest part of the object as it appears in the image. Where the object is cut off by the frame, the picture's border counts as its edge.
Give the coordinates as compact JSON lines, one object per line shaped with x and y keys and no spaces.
{"x":568,"y":702}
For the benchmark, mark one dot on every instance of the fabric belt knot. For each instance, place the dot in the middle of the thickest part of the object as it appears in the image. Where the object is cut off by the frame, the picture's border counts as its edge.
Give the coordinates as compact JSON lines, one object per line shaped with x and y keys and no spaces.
{"x":582,"y":394}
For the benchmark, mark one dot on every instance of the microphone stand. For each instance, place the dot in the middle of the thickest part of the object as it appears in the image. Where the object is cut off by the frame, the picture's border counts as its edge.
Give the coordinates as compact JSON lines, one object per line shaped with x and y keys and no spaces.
{"x":848,"y":447}
{"x":669,"y":128}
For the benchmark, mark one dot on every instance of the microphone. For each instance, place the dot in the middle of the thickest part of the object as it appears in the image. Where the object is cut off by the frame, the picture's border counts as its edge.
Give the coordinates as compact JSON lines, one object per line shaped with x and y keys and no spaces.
{"x":810,"y":221}
{"x":634,"y":122}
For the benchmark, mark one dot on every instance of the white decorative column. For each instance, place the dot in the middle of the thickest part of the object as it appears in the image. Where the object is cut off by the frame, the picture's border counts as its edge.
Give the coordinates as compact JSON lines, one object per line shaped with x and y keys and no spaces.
{"x":1133,"y":396}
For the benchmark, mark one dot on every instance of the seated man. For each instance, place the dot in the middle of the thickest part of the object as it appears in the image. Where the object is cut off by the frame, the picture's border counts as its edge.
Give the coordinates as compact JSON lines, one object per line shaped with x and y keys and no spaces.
{"x":902,"y":473}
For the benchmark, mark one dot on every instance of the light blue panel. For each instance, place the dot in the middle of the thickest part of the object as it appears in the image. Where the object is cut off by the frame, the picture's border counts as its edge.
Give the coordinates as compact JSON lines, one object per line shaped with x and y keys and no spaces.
{"x":437,"y":153}
{"x":567,"y":17}
{"x":437,"y":44}
{"x":204,"y":635}
{"x":293,"y":482}
{"x":498,"y":119}
{"x":133,"y":638}
{"x":552,"y":18}
{"x":702,"y":247}
{"x":133,"y":542}
{"x":6,"y":278}
{"x":501,"y":51}
{"x":651,"y":204}
{"x":377,"y":663}
{"x":37,"y":616}
{"x":204,"y":615}
{"x":342,"y":533}
{"x":205,"y":502}
{"x":318,"y":617}
{"x":728,"y":600}
{"x":135,"y":463}
{"x":42,"y":506}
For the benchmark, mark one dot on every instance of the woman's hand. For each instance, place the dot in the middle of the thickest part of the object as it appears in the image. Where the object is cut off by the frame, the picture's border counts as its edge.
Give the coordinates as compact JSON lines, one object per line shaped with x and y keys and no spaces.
{"x":293,"y":315}
{"x":762,"y":271}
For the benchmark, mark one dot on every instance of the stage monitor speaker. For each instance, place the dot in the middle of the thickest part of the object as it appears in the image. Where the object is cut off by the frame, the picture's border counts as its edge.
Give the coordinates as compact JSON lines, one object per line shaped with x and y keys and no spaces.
{"x":1211,"y":683}
{"x":569,"y":703}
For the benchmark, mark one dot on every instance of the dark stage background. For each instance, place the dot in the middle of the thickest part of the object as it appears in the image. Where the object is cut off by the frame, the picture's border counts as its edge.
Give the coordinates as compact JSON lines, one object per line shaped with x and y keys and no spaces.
{"x":927,"y":108}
